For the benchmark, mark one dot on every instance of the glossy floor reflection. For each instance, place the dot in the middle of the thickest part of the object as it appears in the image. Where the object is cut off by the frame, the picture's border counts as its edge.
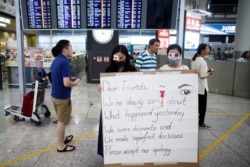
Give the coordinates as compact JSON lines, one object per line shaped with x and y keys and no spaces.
{"x":23,"y":144}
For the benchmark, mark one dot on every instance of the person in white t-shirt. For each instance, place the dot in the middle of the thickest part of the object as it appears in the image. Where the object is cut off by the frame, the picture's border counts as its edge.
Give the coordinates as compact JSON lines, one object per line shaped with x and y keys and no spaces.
{"x":200,"y":64}
{"x":174,"y":53}
{"x":245,"y":57}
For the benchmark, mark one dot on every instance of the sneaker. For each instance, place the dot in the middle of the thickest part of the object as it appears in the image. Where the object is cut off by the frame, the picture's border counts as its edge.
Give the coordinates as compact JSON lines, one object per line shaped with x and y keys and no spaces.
{"x":205,"y":126}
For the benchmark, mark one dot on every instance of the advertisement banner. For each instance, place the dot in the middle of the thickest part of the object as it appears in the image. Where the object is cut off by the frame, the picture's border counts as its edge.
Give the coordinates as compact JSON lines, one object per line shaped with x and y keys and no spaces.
{"x":219,"y":29}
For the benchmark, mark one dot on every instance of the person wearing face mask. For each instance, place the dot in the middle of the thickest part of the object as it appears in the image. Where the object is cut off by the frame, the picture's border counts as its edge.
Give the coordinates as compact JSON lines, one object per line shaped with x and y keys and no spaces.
{"x":119,"y":62}
{"x":174,"y":52}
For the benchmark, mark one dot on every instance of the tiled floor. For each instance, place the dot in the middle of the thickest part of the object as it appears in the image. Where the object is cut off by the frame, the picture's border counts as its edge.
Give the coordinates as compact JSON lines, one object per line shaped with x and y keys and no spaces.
{"x":23,"y":144}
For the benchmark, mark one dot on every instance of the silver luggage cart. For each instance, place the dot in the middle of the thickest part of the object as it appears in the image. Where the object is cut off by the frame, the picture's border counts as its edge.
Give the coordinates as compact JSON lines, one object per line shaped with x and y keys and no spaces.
{"x":33,"y":105}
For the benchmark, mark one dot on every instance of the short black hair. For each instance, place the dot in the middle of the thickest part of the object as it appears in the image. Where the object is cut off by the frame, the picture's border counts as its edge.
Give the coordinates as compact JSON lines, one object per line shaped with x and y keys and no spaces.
{"x":152,"y":41}
{"x":174,"y":46}
{"x":112,"y":67}
{"x":56,"y":50}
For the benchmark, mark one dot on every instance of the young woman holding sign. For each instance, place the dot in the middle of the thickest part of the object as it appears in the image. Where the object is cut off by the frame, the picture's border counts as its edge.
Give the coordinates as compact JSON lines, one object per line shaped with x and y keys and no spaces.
{"x":119,"y":62}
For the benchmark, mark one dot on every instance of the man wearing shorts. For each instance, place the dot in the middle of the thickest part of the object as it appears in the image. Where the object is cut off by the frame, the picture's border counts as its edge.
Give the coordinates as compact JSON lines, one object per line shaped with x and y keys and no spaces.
{"x":61,"y":91}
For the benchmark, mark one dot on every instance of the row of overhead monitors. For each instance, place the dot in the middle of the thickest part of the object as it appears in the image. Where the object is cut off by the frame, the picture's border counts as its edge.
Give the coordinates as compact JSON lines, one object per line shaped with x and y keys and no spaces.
{"x":97,"y":14}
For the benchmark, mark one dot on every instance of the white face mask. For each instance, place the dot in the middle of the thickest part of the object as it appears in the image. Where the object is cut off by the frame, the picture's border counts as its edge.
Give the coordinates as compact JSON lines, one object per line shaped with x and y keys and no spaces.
{"x":173,"y":59}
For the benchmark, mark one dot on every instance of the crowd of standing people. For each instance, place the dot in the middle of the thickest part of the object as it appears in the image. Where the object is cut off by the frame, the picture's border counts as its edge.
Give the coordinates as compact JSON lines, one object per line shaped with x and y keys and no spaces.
{"x":120,"y":61}
{"x":146,"y":61}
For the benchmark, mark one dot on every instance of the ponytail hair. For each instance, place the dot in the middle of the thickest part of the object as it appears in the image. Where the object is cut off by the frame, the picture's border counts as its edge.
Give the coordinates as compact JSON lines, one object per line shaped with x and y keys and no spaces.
{"x":194,"y":57}
{"x":56,"y":50}
{"x":200,"y":48}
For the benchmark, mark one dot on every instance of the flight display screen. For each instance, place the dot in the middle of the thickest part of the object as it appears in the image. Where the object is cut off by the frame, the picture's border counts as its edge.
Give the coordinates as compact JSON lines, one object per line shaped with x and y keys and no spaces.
{"x":98,"y":13}
{"x":129,"y":14}
{"x":68,"y":14}
{"x":159,"y":14}
{"x":39,"y":14}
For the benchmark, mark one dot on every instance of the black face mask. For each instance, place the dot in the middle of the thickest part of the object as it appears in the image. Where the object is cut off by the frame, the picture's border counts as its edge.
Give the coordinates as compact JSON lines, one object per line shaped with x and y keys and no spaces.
{"x":120,"y":63}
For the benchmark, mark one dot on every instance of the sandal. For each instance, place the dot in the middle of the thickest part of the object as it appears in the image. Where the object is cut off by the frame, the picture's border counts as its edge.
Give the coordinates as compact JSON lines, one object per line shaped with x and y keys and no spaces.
{"x":68,"y":139}
{"x":66,"y":148}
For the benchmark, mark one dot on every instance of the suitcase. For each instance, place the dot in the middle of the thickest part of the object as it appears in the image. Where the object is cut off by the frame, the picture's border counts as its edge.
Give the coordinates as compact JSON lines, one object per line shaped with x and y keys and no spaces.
{"x":28,"y":101}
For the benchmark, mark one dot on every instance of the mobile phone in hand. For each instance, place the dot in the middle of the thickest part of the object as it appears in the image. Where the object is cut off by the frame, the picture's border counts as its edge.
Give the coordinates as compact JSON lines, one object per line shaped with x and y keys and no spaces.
{"x":74,"y":79}
{"x":210,"y":70}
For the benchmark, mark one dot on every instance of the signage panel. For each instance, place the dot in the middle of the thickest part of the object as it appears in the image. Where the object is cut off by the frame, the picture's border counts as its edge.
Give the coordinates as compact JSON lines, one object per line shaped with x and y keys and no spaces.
{"x":163,"y":36}
{"x":39,"y":14}
{"x":68,"y":14}
{"x":193,"y":24}
{"x":220,"y":29}
{"x":129,"y":14}
{"x":98,"y":13}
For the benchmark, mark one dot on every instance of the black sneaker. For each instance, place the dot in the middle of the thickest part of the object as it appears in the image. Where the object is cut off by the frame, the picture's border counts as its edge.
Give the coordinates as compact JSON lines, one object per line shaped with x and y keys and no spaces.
{"x":205,"y":126}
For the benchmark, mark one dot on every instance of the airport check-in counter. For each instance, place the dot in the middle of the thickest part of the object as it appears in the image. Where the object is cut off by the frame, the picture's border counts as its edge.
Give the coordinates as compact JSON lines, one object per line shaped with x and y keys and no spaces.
{"x":241,"y":86}
{"x":229,"y":77}
{"x":222,"y":79}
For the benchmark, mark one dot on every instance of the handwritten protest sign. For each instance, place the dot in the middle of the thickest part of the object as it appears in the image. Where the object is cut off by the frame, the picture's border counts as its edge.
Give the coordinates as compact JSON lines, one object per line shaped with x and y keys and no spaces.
{"x":150,"y":118}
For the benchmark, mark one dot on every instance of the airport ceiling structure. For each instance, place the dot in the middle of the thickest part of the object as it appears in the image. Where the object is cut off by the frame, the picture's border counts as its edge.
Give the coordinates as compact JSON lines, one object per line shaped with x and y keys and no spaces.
{"x":222,"y":11}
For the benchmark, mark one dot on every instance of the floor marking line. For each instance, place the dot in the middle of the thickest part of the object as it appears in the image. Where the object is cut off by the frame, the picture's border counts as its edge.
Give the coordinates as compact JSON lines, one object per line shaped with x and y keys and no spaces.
{"x":225,"y":135}
{"x":227,"y":113}
{"x":41,"y":151}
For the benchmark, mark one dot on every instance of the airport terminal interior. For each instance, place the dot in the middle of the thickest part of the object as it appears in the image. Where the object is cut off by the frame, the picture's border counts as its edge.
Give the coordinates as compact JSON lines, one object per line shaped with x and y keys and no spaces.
{"x":24,"y":144}
{"x":31,"y":141}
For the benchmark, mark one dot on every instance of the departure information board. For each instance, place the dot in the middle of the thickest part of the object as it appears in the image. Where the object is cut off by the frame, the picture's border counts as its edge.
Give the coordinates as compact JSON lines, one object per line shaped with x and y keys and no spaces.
{"x":68,"y":14}
{"x":98,"y":13}
{"x":39,"y":14}
{"x":161,"y":14}
{"x":129,"y":13}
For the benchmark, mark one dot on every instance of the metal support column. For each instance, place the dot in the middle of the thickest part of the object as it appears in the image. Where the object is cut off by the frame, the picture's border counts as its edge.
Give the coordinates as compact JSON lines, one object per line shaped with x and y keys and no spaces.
{"x":180,"y":21}
{"x":20,"y":51}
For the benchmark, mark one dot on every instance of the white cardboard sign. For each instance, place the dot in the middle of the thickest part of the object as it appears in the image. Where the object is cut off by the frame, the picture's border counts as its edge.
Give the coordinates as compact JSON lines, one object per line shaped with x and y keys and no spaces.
{"x":150,"y":118}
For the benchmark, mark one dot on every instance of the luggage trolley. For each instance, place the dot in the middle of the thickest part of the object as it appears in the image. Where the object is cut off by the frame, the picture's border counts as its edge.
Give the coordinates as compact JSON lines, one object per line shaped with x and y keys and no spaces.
{"x":33,"y":105}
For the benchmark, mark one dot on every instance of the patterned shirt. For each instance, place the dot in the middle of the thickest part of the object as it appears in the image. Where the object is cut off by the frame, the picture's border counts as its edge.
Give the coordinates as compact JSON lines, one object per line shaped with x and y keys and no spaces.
{"x":146,"y":62}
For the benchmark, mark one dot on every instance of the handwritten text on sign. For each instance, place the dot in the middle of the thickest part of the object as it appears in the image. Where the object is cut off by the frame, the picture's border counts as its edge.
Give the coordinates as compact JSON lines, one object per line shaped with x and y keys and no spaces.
{"x":150,"y":118}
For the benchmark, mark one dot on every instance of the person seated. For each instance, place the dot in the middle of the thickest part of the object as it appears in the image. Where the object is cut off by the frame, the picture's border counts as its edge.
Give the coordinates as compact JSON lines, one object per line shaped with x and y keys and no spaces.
{"x":174,"y":53}
{"x":245,"y":57}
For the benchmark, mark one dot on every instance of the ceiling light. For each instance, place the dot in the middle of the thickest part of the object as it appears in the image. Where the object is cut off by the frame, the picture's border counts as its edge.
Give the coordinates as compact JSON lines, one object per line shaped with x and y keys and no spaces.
{"x":3,"y":25}
{"x":201,"y":12}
